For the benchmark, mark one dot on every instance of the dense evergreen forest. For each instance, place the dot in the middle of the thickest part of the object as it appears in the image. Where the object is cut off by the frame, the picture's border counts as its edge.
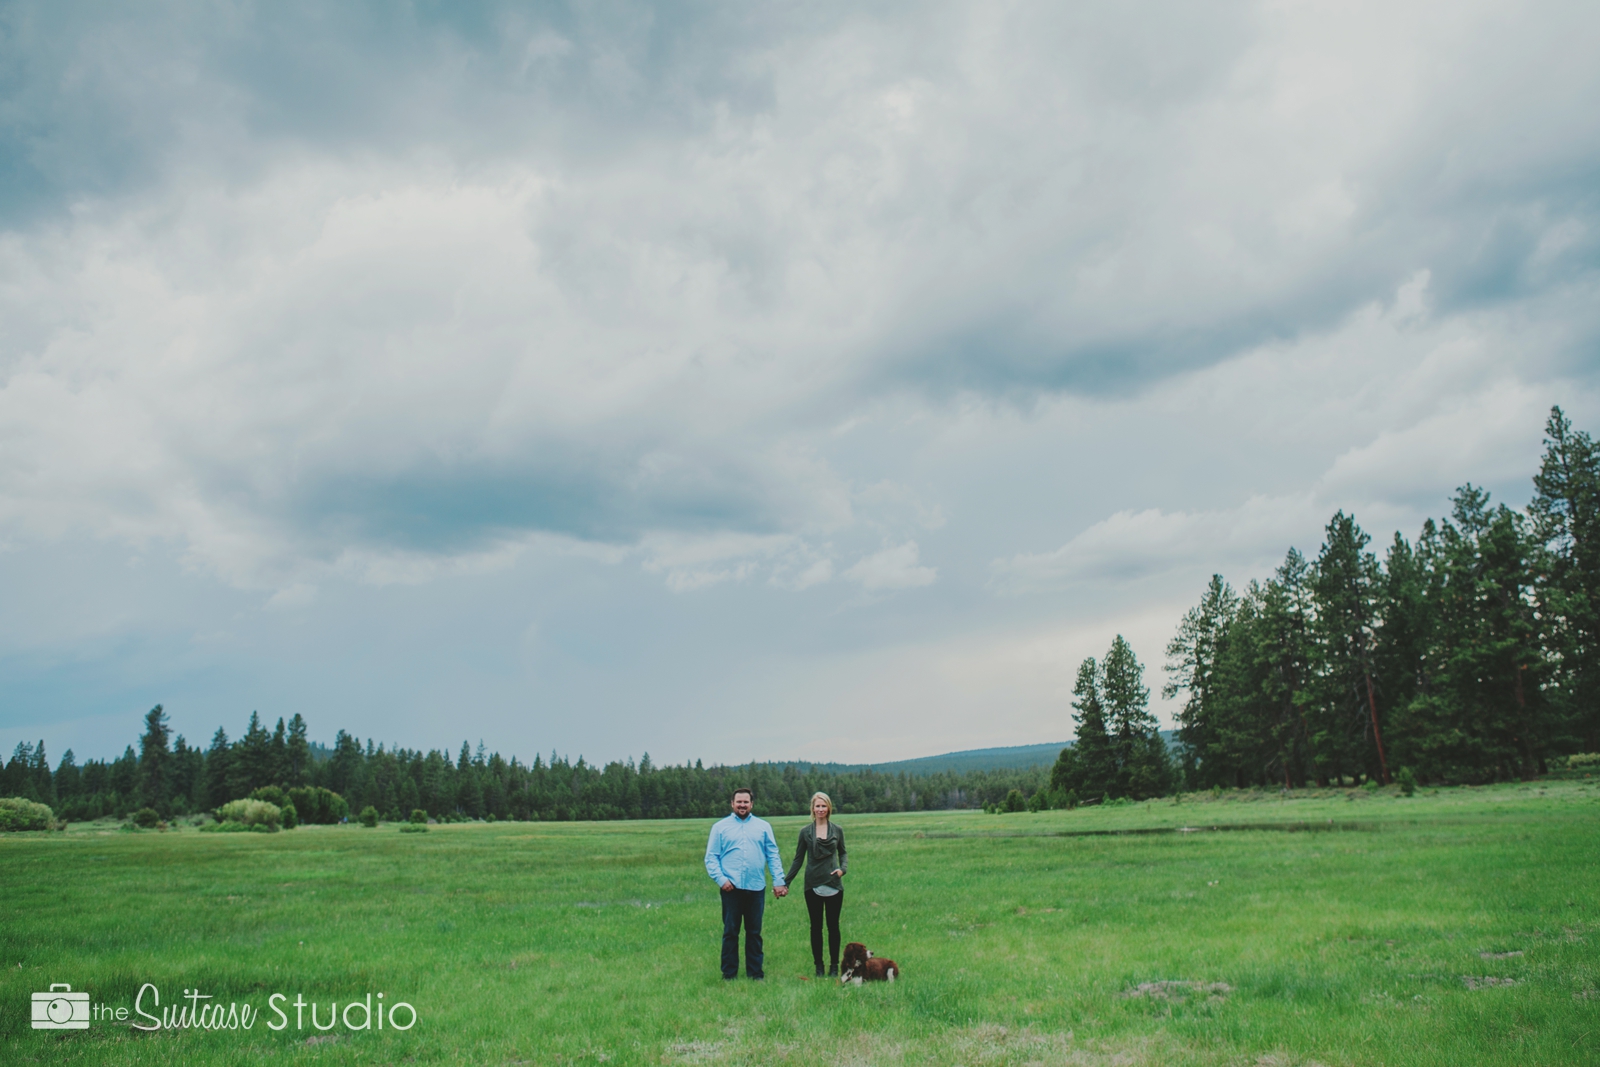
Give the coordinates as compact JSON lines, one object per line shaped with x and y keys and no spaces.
{"x":1471,"y":654}
{"x":175,"y":778}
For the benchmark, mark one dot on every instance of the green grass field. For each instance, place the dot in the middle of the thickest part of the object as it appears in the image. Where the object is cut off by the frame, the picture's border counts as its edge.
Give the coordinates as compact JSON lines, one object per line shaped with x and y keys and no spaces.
{"x":1458,"y":927}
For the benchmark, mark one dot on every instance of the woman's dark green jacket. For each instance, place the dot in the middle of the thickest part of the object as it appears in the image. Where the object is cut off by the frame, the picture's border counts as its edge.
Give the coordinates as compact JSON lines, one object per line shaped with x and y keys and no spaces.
{"x":821,"y":858}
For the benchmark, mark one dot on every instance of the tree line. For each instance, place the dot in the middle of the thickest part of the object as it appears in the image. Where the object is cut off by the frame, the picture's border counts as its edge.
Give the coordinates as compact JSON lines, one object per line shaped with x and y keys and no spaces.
{"x":172,"y":777}
{"x":1470,"y":654}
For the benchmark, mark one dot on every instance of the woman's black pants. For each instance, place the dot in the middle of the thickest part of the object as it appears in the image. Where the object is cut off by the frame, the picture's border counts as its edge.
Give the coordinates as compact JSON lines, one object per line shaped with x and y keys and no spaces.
{"x":817,"y":906}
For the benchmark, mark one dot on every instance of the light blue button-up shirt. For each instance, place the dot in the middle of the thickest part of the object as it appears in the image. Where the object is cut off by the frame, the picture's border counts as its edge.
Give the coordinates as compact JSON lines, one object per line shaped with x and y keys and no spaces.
{"x":740,"y":850}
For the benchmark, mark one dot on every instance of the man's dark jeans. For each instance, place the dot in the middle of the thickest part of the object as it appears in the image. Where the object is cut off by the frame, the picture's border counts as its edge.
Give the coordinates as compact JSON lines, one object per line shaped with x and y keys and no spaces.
{"x":746,"y":905}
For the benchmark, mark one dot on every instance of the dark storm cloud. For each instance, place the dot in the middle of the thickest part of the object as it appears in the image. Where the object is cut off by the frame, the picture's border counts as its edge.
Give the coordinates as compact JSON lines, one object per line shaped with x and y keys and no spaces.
{"x":338,"y":315}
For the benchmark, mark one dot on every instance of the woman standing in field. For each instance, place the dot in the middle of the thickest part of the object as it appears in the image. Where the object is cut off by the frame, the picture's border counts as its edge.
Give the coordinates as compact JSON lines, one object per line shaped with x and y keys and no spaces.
{"x":821,"y":849}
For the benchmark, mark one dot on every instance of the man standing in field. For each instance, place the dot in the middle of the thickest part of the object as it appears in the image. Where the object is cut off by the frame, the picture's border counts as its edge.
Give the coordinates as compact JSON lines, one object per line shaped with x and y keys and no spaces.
{"x":738,"y":854}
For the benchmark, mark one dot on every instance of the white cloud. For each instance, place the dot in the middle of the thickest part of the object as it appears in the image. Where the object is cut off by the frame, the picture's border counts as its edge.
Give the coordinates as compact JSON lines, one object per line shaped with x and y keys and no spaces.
{"x":1133,"y":545}
{"x":892,"y":568}
{"x":260,"y":363}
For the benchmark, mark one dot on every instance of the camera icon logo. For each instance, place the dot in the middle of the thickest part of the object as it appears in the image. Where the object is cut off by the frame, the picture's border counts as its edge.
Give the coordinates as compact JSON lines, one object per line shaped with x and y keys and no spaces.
{"x":61,"y":1009}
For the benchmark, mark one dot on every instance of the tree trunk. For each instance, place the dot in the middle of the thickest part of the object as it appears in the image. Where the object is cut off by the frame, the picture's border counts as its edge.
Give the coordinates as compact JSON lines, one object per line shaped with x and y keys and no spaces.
{"x":1377,"y":735}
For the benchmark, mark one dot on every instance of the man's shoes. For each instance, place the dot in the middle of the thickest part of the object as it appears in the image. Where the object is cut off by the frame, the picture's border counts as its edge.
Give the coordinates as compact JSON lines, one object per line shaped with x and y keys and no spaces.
{"x":833,"y":972}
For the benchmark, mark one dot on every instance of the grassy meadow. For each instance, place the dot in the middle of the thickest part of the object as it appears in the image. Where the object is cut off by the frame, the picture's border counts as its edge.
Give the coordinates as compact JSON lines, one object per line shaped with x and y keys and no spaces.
{"x":1459,"y":926}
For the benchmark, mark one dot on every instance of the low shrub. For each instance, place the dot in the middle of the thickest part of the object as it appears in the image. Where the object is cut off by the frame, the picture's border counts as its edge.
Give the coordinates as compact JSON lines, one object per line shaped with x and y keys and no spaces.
{"x":318,"y":806}
{"x":1584,"y":759}
{"x":146,"y":818}
{"x":17,"y":814}
{"x":251,"y":813}
{"x":419,"y":817}
{"x":291,"y":818}
{"x":236,"y":828}
{"x":272,"y":794}
{"x":369,"y":816}
{"x":1406,"y":780}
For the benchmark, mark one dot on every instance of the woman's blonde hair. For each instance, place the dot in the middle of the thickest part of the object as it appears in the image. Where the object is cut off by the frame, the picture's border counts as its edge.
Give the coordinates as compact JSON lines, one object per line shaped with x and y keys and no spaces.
{"x":826,"y":799}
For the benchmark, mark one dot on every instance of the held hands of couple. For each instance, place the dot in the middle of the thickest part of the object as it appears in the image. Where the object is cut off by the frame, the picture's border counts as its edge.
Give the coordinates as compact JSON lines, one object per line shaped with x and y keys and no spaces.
{"x":781,"y":891}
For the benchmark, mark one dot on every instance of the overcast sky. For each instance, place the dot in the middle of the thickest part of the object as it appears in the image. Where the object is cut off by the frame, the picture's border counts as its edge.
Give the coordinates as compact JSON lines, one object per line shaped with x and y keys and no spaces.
{"x":744,"y":380}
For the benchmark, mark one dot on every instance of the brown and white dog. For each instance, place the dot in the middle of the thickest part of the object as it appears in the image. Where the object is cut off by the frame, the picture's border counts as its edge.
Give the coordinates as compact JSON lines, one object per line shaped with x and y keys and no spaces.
{"x":860,"y":965}
{"x":855,"y":954}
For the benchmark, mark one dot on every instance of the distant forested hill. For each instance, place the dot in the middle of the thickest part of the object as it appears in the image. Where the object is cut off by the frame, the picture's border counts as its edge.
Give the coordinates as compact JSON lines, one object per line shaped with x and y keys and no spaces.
{"x":1016,"y":757}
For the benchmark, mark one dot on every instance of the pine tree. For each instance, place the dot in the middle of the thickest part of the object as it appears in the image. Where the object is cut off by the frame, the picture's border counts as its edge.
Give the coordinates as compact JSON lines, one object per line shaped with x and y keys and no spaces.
{"x":19,"y":780}
{"x":69,"y":778}
{"x":1346,"y":587}
{"x":1565,"y":514}
{"x":155,"y":763}
{"x":1481,"y":712}
{"x":43,"y":781}
{"x":125,"y":782}
{"x":1192,"y":657}
{"x":299,"y":753}
{"x":188,"y":777}
{"x":344,"y":766}
{"x":217,"y":789}
{"x":1406,"y":607}
{"x":252,"y":760}
{"x":1089,"y":767}
{"x":1282,"y":668}
{"x":1143,"y":769}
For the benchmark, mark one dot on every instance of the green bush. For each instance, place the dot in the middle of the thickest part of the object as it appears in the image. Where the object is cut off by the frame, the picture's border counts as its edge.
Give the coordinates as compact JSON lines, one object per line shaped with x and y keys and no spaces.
{"x":1584,"y":759}
{"x":291,"y":818}
{"x":17,"y":814}
{"x":1068,"y":800}
{"x":251,"y":813}
{"x":369,"y":816}
{"x":1038,"y":802}
{"x":319,"y":806}
{"x":1406,"y":780}
{"x":236,"y":828}
{"x":419,"y":817}
{"x":146,"y":818}
{"x":272,"y":794}
{"x":1014,"y":801}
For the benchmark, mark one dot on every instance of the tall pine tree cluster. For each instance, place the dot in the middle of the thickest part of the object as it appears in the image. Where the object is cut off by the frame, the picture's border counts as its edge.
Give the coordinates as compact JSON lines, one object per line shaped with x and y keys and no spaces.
{"x":1471,"y":654}
{"x":1118,"y":750}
